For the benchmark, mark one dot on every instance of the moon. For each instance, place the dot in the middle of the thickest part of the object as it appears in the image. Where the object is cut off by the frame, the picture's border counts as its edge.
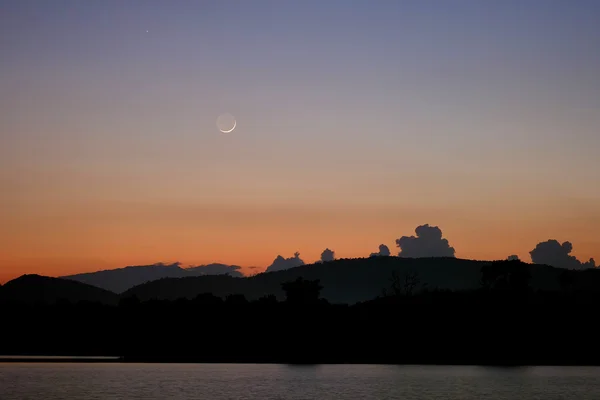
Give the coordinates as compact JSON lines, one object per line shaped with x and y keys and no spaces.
{"x":226,"y":123}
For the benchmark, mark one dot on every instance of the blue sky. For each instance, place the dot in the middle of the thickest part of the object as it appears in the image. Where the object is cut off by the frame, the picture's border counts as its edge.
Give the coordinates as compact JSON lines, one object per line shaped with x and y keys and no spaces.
{"x":442,"y":109}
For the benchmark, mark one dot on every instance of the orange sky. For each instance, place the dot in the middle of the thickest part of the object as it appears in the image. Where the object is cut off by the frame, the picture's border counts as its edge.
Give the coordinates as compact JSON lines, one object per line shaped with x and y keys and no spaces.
{"x":355,"y":124}
{"x":90,"y":238}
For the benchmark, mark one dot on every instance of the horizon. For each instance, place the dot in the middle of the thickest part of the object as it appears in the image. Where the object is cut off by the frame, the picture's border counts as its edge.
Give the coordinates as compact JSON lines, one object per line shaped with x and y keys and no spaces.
{"x":352,"y":125}
{"x":244,"y":271}
{"x":550,"y":258}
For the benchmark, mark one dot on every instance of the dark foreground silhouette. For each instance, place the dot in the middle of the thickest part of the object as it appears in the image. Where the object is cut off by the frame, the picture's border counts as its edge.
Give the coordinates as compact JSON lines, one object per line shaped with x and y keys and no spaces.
{"x":344,"y":281}
{"x":503,"y":322}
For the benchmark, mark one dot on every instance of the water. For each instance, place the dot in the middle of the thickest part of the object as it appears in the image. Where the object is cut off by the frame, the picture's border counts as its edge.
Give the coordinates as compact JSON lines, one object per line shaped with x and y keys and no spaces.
{"x":52,"y":381}
{"x":56,"y":358}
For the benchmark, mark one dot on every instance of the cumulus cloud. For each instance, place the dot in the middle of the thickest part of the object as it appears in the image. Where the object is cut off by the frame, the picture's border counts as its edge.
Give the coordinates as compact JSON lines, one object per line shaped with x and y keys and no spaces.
{"x":216,"y":269}
{"x":280,"y":263}
{"x":327,"y":255}
{"x":553,"y":253}
{"x":513,"y":257}
{"x":383,"y":251}
{"x":427,"y":243}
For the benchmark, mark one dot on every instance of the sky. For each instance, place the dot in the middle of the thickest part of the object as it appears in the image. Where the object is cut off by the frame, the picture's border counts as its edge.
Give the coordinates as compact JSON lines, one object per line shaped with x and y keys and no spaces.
{"x":356,"y":122}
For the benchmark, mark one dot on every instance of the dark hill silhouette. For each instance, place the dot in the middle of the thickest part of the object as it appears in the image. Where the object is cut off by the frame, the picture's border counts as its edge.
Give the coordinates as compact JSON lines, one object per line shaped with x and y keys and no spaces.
{"x":502,"y":321}
{"x":345,"y":281}
{"x":514,"y":314}
{"x":34,"y":289}
{"x":120,"y":279}
{"x":215,"y":269}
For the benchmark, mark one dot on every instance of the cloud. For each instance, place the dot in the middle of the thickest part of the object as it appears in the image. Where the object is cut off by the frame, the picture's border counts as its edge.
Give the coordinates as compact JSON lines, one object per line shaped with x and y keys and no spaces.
{"x":280,"y":263}
{"x":216,"y":269}
{"x":327,"y":255}
{"x":553,"y":253}
{"x":383,"y":251}
{"x":513,"y":257}
{"x":427,"y":243}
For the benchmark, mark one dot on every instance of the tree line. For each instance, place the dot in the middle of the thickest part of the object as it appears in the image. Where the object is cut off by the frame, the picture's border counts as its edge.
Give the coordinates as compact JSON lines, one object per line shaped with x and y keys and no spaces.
{"x":503,"y":322}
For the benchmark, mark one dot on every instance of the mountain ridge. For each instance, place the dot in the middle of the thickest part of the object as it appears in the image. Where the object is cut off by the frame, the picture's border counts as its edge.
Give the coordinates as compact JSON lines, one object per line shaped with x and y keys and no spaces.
{"x":33,"y":288}
{"x":121,"y":279}
{"x":345,"y":281}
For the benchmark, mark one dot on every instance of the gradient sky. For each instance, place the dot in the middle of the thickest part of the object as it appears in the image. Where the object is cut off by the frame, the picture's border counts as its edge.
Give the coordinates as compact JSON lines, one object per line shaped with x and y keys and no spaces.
{"x":357,"y":121}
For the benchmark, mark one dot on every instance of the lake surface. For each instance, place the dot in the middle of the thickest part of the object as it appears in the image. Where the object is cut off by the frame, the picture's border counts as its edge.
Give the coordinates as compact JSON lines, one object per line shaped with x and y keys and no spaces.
{"x":52,"y":381}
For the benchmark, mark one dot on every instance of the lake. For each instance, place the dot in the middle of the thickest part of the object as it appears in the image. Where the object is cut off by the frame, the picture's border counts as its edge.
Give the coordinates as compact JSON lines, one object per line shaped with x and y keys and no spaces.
{"x":83,"y":381}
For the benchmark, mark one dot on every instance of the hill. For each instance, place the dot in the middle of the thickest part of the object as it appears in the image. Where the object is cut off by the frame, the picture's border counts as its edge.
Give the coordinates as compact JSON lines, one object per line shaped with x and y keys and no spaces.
{"x":215,"y":269}
{"x":34,"y":289}
{"x":500,"y":322}
{"x":121,"y":279}
{"x":344,"y":281}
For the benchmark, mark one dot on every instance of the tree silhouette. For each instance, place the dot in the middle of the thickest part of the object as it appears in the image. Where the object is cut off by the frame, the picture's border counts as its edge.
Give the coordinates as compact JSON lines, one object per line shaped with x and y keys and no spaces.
{"x":267,"y":299}
{"x":404,"y":286}
{"x":129,"y":301}
{"x":207,"y":299}
{"x":508,"y":276}
{"x":236,"y":299}
{"x":566,"y":279}
{"x":302,"y":291}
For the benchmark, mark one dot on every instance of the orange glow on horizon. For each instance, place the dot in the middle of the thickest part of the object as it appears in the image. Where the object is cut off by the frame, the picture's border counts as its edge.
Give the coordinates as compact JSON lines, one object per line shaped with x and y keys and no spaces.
{"x":254,"y":238}
{"x":380,"y":120}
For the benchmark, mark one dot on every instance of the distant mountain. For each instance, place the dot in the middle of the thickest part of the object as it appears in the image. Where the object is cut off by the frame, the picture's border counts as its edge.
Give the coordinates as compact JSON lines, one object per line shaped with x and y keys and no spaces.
{"x":32,"y":289}
{"x":215,"y":269}
{"x":122,"y":279}
{"x":344,"y":281}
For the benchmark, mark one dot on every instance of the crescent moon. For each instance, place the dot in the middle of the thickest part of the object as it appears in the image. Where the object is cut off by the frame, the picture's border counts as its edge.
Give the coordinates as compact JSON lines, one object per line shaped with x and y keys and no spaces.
{"x":232,"y":128}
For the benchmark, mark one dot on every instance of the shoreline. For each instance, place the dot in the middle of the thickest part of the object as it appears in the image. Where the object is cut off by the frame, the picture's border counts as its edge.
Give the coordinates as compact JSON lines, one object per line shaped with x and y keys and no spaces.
{"x":59,"y":359}
{"x":122,"y":360}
